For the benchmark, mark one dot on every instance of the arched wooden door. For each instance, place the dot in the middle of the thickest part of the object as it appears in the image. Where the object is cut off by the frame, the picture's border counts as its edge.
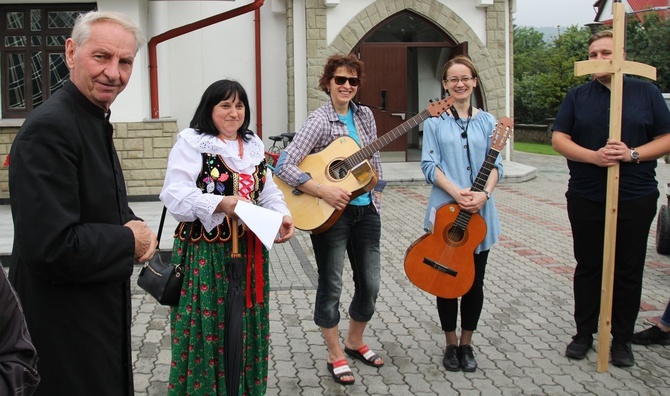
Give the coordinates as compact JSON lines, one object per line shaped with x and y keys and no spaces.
{"x":403,"y":58}
{"x":385,"y":88}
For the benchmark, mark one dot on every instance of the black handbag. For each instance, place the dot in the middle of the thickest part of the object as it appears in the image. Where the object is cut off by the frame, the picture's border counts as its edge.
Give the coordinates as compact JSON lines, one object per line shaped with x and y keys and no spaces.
{"x":162,"y":281}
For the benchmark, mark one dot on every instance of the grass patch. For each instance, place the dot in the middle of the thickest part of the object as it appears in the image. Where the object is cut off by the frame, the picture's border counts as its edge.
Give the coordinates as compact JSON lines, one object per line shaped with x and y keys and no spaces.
{"x":535,"y":148}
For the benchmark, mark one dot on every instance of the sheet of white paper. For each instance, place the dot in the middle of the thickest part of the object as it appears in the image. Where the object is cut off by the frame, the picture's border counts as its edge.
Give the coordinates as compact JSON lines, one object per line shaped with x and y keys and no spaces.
{"x":263,"y":222}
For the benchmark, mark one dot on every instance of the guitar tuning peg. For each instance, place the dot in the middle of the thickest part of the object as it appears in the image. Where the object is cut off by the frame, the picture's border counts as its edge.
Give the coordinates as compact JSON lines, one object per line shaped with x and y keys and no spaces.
{"x":430,"y":100}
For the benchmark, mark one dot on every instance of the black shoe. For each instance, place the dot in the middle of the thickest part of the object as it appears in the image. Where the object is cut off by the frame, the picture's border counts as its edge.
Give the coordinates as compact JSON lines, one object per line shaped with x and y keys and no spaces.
{"x":579,"y":346}
{"x":450,"y":360}
{"x":622,"y":354}
{"x":653,"y":335}
{"x":468,"y":362}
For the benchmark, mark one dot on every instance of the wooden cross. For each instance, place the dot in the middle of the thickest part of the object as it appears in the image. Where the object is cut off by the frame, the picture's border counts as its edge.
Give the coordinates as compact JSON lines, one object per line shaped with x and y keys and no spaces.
{"x":617,"y":66}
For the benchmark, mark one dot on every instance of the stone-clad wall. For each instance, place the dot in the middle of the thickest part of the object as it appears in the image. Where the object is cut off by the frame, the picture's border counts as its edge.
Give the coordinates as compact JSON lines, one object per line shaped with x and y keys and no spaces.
{"x":143,"y":148}
{"x":532,"y":133}
{"x":7,"y":134}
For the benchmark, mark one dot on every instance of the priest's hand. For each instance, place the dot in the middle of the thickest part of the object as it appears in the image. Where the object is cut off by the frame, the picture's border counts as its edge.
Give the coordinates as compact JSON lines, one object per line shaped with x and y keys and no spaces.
{"x":145,"y":240}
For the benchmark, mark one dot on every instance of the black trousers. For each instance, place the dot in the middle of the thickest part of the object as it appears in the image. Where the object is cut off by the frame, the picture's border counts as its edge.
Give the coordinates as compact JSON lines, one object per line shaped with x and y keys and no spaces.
{"x":471,"y":303}
{"x":587,"y":219}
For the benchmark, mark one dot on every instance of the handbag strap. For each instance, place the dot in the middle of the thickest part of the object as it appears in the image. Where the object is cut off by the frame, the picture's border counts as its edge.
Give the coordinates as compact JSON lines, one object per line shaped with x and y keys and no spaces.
{"x":160,"y":227}
{"x":160,"y":231}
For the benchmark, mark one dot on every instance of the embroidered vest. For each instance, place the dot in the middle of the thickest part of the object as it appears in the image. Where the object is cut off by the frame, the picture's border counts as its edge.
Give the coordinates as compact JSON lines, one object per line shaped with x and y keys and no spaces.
{"x":217,"y":178}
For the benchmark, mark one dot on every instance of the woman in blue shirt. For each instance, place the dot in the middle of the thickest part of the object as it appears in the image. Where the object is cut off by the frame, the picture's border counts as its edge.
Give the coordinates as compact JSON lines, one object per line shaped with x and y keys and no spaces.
{"x":454,"y":148}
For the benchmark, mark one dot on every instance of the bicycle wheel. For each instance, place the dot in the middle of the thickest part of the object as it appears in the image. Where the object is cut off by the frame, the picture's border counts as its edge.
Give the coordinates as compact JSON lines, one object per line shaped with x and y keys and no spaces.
{"x":275,"y":150}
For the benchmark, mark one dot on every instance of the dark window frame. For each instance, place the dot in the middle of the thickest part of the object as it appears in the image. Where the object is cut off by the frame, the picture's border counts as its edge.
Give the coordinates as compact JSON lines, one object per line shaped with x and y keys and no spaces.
{"x":29,"y":49}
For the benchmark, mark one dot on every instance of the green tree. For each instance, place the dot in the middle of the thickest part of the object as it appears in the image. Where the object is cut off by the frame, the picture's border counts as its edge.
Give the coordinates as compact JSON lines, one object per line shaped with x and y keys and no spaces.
{"x":530,"y":52}
{"x":529,"y":46}
{"x":649,"y":42}
{"x":543,"y":72}
{"x":569,"y":47}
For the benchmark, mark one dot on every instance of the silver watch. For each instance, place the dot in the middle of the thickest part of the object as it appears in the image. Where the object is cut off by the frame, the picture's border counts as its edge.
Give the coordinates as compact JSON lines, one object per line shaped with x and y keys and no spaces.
{"x":634,"y":156}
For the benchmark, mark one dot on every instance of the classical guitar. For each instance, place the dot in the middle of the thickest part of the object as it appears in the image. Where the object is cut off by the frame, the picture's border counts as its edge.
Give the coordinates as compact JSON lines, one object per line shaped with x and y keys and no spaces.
{"x":343,"y":163}
{"x":442,"y":262}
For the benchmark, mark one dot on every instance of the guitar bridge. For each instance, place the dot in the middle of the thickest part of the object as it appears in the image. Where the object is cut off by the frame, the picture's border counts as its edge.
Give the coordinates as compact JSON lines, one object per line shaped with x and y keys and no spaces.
{"x":363,"y":172}
{"x":440,"y":267}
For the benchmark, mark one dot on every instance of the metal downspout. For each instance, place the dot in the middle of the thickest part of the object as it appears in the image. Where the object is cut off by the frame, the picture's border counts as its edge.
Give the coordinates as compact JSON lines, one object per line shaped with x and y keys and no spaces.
{"x":176,"y":32}
{"x":259,"y":91}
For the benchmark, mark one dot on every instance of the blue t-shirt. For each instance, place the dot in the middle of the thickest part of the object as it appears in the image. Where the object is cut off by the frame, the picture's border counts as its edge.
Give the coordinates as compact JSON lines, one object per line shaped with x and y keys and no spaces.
{"x":361,"y":200}
{"x":585,"y":116}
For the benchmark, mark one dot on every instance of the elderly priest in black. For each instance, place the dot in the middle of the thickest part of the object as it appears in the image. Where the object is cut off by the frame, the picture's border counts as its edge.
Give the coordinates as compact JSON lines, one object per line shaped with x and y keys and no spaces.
{"x":75,"y":237}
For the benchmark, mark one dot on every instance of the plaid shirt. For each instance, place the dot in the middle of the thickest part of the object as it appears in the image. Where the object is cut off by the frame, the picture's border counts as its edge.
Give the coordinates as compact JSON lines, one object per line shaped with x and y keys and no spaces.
{"x":322,"y":127}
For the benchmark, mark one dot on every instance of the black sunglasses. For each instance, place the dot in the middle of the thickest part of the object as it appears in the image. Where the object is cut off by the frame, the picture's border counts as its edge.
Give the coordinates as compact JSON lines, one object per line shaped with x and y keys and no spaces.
{"x":353,"y":81}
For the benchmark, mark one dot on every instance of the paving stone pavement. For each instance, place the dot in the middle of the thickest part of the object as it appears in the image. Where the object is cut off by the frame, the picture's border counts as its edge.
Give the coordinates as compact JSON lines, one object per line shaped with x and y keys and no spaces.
{"x":524,"y":328}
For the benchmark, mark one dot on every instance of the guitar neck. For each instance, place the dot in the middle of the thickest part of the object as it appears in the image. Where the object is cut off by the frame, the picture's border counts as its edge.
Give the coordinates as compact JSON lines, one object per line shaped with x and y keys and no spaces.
{"x":485,"y":171}
{"x":381,"y":142}
{"x":463,"y":217}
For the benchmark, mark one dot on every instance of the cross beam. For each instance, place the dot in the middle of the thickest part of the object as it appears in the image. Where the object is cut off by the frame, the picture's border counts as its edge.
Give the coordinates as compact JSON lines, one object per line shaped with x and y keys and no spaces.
{"x":617,"y":66}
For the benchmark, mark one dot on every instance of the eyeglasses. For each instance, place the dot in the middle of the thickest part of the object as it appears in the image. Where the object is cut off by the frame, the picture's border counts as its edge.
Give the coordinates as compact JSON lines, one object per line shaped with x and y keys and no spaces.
{"x":456,"y":80}
{"x":353,"y":81}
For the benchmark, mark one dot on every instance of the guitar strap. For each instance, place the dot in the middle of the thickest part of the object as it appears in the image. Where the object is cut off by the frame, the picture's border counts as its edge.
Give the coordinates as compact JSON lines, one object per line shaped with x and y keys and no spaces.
{"x":455,"y":113}
{"x":464,"y":135}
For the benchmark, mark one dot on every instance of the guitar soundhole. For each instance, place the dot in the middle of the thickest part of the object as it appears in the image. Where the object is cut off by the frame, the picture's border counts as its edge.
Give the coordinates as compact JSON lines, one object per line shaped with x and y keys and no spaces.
{"x":455,"y":235}
{"x":338,"y":170}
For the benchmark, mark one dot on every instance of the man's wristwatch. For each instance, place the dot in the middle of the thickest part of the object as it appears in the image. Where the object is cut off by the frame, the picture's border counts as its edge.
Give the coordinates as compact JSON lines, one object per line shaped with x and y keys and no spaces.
{"x":634,"y":156}
{"x":488,"y":194}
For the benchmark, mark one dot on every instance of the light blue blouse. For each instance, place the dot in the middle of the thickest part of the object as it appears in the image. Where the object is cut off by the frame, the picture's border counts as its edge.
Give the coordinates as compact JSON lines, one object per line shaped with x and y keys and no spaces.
{"x":445,"y":148}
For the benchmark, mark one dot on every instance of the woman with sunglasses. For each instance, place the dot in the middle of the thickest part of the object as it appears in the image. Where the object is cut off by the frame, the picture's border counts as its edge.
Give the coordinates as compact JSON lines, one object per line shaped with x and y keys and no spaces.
{"x":454,"y":148}
{"x":357,"y":232}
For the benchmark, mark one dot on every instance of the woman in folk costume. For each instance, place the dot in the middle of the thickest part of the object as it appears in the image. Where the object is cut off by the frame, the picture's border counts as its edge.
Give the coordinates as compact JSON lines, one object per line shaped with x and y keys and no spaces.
{"x":215,"y":163}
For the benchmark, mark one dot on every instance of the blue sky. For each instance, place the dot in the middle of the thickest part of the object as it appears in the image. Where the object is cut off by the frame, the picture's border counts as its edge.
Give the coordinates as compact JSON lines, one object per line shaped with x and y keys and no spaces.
{"x":546,"y":13}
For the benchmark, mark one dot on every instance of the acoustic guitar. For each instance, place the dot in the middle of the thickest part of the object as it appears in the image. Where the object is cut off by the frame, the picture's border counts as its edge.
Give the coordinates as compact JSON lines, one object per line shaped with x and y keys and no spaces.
{"x":442,"y":262}
{"x":344,"y":164}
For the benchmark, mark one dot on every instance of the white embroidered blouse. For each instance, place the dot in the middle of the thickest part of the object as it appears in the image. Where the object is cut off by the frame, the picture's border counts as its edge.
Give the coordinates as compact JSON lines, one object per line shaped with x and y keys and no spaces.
{"x":182,"y":197}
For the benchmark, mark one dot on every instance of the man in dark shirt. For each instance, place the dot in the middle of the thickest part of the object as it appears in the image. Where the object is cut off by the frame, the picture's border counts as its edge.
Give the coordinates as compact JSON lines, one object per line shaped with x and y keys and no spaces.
{"x":75,"y":237}
{"x":581,"y":134}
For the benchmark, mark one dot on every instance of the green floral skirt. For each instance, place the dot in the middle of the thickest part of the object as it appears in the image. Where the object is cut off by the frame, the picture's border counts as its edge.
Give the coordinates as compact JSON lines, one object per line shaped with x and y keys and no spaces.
{"x":198,"y":324}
